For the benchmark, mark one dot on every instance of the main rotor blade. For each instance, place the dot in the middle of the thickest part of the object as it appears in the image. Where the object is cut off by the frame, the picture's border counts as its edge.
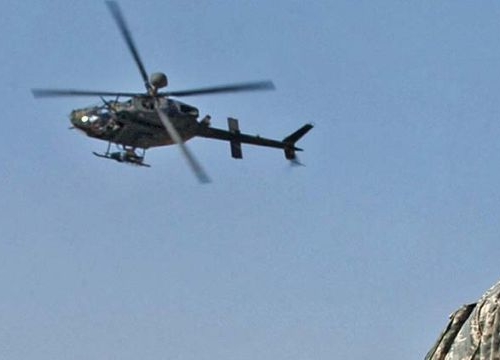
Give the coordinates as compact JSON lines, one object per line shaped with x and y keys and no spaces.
{"x":229,"y":88}
{"x":120,"y":21}
{"x":174,"y":134}
{"x":39,"y":93}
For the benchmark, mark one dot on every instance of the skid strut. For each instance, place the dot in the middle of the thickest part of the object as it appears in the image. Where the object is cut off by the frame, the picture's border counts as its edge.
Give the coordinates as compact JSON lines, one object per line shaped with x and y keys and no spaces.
{"x":124,"y":155}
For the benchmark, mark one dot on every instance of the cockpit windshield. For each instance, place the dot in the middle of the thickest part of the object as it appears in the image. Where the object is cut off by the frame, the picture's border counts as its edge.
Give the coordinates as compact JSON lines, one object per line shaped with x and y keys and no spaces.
{"x":96,"y":120}
{"x":96,"y":113}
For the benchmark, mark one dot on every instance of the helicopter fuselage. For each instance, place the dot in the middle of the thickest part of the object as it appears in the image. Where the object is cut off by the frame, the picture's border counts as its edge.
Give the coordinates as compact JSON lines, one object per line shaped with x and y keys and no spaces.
{"x":135,"y":123}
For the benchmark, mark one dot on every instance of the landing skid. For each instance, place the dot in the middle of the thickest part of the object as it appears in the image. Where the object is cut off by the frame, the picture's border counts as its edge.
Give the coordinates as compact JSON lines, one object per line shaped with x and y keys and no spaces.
{"x":125,"y":155}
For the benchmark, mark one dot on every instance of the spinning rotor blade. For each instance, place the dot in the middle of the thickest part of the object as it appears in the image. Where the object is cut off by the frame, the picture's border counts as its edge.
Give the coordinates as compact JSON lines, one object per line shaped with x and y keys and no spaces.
{"x":193,"y":163}
{"x":38,"y":93}
{"x":120,"y":21}
{"x":251,"y":86}
{"x":230,"y":88}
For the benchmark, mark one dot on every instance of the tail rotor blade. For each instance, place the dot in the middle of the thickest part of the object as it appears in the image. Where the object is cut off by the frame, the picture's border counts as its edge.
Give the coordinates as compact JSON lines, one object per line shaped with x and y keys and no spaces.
{"x":193,"y":163}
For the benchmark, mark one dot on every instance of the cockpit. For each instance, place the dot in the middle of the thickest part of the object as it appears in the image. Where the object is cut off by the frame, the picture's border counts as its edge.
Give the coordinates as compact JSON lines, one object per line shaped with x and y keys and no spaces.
{"x":96,"y":120}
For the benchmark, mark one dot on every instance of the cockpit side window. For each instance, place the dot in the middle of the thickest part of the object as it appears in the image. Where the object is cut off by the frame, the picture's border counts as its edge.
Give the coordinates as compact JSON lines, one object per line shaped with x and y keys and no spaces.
{"x":187,"y":109}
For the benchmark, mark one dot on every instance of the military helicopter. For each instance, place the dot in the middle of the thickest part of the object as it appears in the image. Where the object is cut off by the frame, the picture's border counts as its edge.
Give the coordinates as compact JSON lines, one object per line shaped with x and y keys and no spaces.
{"x":154,"y":119}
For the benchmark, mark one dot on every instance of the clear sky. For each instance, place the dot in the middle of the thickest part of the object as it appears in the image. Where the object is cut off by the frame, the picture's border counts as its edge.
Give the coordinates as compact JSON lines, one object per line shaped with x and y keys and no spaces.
{"x":363,"y":253}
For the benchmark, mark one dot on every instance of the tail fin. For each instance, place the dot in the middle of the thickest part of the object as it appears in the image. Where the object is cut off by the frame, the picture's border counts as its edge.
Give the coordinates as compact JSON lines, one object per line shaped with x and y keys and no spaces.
{"x":290,"y":141}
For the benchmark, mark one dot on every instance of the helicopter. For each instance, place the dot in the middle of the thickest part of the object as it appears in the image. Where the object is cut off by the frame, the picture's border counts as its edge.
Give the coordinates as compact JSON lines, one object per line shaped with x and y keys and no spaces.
{"x":153,"y":118}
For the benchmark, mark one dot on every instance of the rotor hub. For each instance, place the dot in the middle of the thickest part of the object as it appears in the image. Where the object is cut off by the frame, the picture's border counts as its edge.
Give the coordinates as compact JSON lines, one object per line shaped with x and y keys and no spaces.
{"x":158,"y":80}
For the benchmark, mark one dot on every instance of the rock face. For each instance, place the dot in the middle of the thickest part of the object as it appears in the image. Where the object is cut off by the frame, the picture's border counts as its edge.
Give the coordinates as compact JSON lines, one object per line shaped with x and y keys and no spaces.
{"x":473,"y":332}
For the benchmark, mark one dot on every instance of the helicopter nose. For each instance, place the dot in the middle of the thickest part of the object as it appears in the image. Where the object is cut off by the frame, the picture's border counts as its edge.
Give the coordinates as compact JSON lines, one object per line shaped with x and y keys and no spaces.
{"x":78,"y":118}
{"x":74,"y":117}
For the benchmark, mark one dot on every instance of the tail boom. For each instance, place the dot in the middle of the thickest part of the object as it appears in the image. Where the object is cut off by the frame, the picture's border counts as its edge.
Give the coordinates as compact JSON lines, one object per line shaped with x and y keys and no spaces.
{"x":236,"y":138}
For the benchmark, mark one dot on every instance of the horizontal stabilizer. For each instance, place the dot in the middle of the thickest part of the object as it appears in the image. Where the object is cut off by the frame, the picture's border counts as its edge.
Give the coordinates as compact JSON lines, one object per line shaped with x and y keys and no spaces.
{"x":234,"y":129}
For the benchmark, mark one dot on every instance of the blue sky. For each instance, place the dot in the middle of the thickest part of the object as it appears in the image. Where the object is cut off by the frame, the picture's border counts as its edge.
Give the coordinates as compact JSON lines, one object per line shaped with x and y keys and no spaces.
{"x":392,"y":225}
